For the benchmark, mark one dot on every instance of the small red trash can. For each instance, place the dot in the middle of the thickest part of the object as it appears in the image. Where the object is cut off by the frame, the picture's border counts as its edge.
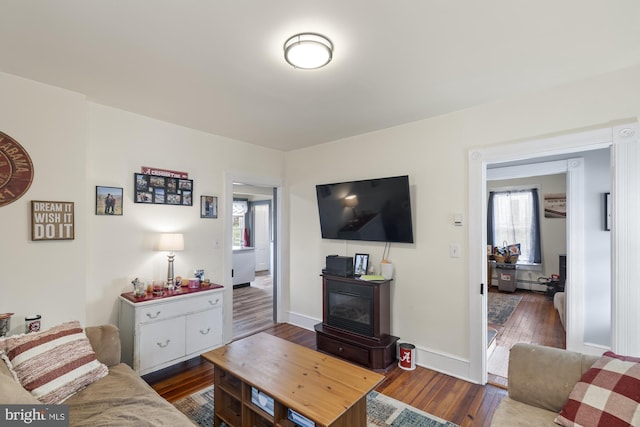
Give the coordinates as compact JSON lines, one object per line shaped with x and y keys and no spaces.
{"x":407,"y":356}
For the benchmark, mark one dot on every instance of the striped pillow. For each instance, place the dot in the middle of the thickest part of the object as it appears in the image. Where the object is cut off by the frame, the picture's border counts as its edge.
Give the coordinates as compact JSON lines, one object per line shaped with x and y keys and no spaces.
{"x":54,"y":364}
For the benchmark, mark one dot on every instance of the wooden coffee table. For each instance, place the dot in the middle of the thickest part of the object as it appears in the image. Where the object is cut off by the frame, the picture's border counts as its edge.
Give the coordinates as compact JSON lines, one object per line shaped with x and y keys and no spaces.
{"x":263,"y":380}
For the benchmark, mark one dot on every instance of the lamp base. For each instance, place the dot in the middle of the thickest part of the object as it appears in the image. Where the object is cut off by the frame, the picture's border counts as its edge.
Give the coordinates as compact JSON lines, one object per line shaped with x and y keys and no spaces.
{"x":170,"y":276}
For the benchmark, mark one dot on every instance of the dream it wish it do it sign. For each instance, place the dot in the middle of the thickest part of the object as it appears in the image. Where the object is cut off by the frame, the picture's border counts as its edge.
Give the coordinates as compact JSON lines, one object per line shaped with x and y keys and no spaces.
{"x":51,"y":220}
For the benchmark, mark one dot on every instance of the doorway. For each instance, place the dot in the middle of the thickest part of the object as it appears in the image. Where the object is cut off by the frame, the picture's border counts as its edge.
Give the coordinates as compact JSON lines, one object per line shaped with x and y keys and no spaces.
{"x":252,"y":272}
{"x":244,"y":234}
{"x":519,"y":307}
{"x":622,"y":140}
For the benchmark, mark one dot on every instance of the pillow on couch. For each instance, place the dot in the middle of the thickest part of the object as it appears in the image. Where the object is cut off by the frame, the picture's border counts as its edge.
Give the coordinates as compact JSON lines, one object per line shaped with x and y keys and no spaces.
{"x":53,"y":364}
{"x":608,"y":394}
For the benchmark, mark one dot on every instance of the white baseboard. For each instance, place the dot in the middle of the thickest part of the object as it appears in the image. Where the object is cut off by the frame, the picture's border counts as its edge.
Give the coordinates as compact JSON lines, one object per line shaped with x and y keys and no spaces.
{"x":302,"y":321}
{"x":440,"y":362}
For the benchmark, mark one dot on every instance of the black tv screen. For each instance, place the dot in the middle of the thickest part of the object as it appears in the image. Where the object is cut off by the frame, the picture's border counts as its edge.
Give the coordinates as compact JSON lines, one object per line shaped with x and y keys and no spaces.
{"x":377,"y":210}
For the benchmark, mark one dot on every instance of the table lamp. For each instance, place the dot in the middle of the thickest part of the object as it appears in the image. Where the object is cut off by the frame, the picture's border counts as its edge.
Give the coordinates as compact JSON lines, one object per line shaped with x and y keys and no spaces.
{"x":171,"y":242}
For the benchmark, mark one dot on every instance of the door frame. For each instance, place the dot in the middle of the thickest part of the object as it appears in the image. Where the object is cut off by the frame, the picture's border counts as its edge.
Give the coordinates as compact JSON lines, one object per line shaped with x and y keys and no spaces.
{"x":625,"y":185}
{"x":279,"y":263}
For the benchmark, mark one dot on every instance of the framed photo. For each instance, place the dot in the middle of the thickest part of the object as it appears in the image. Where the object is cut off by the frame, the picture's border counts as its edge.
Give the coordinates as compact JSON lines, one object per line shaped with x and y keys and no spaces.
{"x":208,"y":207}
{"x":108,"y":200}
{"x":361,"y":264}
{"x":52,"y":220}
{"x":161,"y":190}
{"x":607,"y":211}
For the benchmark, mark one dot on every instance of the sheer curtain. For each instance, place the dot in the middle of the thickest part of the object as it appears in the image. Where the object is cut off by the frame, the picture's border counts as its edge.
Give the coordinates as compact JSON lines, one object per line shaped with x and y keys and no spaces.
{"x":514,"y":217}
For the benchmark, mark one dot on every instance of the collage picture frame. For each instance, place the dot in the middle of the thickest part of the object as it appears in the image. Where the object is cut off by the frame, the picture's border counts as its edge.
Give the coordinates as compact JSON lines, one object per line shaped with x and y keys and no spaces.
{"x":162,"y":190}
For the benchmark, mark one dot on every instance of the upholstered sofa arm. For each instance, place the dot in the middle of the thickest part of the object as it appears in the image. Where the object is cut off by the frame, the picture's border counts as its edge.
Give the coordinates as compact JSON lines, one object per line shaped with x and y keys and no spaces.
{"x":105,"y":341}
{"x":544,"y":376}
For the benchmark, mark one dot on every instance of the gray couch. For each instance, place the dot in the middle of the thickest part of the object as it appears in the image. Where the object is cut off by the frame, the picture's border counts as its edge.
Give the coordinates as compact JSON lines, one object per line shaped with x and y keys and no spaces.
{"x":121,"y":398}
{"x":540,"y":380}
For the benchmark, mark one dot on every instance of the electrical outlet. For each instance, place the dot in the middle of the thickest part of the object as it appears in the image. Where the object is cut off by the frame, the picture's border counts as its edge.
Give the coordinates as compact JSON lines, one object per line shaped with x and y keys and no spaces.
{"x":454,"y":250}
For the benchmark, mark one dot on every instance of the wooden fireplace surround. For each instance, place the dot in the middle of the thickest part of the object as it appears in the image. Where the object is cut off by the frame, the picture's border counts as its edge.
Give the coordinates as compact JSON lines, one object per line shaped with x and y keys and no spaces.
{"x":375,"y":352}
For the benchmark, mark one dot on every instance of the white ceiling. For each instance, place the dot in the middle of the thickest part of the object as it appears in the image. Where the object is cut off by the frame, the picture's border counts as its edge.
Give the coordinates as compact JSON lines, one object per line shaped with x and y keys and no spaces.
{"x":218,"y":65}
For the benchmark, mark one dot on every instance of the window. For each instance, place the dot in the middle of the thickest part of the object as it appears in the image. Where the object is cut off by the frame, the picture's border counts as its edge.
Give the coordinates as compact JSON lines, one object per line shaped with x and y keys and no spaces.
{"x":514,"y":217}
{"x":240,"y":208}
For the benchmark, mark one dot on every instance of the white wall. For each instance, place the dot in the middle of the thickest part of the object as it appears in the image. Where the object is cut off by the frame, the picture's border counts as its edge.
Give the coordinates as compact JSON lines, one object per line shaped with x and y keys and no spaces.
{"x":121,"y":248}
{"x":44,"y":277}
{"x":76,"y":145}
{"x":430,"y":293}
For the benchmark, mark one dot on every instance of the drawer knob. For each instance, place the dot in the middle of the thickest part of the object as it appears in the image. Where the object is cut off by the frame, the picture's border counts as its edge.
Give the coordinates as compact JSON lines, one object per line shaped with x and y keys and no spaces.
{"x":340,"y":349}
{"x":151,"y":316}
{"x":214,"y":302}
{"x":203,"y":332}
{"x":166,"y":343}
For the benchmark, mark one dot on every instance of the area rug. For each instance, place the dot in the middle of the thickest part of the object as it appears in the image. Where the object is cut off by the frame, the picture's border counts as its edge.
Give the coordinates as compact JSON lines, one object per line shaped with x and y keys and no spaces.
{"x":501,"y":306}
{"x":382,"y":411}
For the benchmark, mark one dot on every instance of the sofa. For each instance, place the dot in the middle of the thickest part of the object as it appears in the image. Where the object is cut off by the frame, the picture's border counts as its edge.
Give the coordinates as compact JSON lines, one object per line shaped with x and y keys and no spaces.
{"x":540,"y":381}
{"x":560,"y":304}
{"x":121,"y":398}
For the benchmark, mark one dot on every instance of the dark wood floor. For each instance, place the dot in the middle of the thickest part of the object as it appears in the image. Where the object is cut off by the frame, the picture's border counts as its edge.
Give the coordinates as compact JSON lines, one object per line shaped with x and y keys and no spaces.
{"x":444,"y":396}
{"x":253,"y":306}
{"x":534,"y":321}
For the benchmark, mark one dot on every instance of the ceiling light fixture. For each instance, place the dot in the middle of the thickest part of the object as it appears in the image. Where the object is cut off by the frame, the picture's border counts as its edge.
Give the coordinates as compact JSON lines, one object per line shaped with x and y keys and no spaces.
{"x":308,"y":51}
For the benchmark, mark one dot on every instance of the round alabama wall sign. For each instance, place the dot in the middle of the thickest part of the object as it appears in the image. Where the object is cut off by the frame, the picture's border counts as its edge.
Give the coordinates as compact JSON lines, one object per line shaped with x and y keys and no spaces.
{"x":16,"y":170}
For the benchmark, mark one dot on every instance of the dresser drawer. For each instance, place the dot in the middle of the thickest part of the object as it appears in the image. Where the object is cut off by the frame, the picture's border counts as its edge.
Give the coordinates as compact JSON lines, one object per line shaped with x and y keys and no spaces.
{"x":165,"y":310}
{"x":162,"y":311}
{"x":348,"y":351}
{"x":161,"y":342}
{"x":204,"y":330}
{"x":205,"y":301}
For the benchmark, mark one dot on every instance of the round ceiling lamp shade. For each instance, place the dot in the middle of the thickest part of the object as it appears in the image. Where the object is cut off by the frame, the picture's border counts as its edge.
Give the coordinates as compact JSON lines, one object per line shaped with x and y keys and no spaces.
{"x":308,"y":51}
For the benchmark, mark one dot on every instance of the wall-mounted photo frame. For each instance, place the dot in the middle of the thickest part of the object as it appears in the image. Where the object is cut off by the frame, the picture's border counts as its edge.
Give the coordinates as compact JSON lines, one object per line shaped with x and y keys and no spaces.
{"x":360,"y":264}
{"x":607,"y":211}
{"x":52,"y":220}
{"x":208,"y":207}
{"x":108,"y":200}
{"x":162,"y":190}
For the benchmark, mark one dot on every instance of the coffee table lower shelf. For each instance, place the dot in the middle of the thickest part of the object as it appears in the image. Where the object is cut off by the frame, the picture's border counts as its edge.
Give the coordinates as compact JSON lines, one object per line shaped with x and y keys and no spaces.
{"x":235,"y":407}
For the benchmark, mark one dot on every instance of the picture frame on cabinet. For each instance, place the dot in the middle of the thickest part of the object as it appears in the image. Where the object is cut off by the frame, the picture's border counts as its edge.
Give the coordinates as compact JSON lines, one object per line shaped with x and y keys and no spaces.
{"x":360,"y":264}
{"x":208,"y":207}
{"x":109,"y":200}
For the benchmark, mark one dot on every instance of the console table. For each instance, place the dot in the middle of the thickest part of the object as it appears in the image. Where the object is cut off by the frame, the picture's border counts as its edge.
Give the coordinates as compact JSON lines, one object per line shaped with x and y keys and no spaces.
{"x":263,"y":380}
{"x":159,"y":331}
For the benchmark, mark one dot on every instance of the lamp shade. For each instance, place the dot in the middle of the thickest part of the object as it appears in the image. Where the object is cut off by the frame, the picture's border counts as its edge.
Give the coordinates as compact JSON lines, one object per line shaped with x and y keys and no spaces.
{"x":171,"y":242}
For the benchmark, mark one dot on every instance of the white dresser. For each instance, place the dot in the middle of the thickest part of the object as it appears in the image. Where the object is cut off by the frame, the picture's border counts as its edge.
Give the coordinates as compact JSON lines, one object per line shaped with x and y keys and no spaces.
{"x":159,"y":332}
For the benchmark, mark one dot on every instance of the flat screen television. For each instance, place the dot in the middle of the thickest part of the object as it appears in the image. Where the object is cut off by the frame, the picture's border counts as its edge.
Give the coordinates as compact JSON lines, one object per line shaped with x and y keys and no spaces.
{"x":377,"y":210}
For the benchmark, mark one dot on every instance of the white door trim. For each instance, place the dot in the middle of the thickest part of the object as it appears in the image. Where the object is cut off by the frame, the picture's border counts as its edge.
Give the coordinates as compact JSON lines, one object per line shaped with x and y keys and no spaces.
{"x":626,"y":185}
{"x":625,"y":235}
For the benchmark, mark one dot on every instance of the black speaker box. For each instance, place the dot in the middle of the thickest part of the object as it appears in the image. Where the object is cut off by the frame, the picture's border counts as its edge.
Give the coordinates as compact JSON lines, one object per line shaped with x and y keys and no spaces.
{"x":339,"y":266}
